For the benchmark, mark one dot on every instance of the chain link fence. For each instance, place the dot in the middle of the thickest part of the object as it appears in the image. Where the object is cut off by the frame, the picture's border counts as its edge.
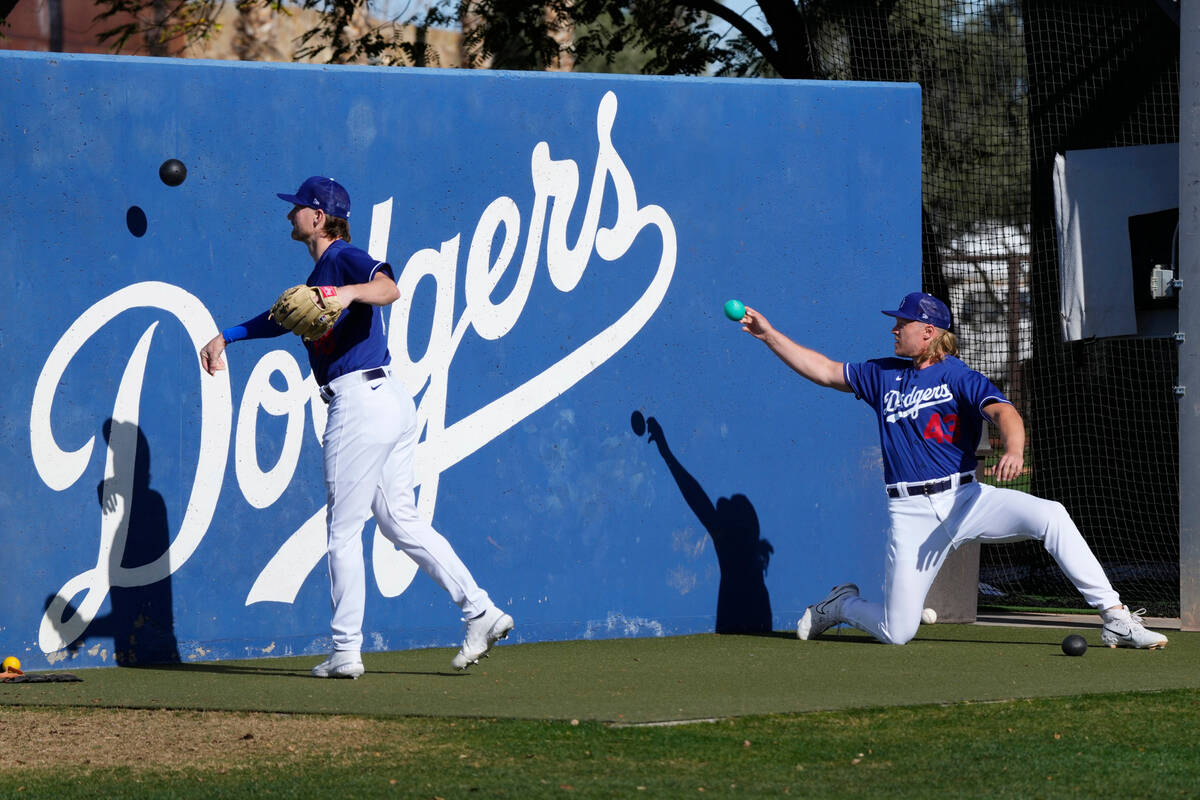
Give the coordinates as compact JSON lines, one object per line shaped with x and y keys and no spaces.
{"x":1006,"y":86}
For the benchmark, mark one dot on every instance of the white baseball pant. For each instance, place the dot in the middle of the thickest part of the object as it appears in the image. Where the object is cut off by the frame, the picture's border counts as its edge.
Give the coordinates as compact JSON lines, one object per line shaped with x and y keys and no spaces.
{"x":926,"y":528}
{"x":370,"y":438}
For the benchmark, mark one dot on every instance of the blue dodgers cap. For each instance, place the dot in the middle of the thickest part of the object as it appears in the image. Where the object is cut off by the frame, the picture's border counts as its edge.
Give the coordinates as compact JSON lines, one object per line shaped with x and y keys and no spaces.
{"x":324,"y":193}
{"x":923,"y":308}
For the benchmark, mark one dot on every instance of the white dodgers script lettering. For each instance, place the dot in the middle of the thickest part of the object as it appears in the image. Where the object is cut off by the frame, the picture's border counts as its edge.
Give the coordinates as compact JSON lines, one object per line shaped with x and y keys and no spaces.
{"x":491,"y":252}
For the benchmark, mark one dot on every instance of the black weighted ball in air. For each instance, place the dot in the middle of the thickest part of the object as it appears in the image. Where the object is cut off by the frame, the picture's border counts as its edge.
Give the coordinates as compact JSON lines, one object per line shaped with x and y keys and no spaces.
{"x":172,"y":172}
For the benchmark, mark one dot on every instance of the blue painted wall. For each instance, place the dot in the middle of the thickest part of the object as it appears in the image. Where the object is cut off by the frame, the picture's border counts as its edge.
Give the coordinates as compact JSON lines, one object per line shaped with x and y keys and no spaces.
{"x":609,"y":455}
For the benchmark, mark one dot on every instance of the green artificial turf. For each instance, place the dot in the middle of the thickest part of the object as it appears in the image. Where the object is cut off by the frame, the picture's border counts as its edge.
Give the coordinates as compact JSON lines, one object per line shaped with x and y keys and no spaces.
{"x":1099,"y":746}
{"x":653,"y":679}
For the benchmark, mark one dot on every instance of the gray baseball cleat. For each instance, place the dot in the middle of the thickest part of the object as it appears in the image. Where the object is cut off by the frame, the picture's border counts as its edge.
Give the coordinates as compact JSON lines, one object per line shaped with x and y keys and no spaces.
{"x":1124,"y":628}
{"x":342,"y":664}
{"x":820,"y":617}
{"x":482,"y":632}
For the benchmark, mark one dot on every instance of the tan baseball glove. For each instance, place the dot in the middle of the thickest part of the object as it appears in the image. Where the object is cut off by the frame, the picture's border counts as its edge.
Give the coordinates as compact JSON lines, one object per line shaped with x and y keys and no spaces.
{"x":308,"y":311}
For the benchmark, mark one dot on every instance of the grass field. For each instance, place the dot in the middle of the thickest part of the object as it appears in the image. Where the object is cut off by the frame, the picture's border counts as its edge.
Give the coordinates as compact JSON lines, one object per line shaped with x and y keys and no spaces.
{"x":963,"y":711}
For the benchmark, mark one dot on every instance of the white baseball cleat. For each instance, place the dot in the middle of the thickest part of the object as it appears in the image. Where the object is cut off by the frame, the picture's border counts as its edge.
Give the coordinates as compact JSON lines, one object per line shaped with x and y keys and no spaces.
{"x":820,"y":617}
{"x":342,"y":664}
{"x":1124,"y":628}
{"x":482,"y":632}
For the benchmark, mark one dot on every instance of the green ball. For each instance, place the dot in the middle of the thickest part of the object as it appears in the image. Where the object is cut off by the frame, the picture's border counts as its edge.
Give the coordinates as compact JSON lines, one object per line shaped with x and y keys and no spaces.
{"x":735,"y":310}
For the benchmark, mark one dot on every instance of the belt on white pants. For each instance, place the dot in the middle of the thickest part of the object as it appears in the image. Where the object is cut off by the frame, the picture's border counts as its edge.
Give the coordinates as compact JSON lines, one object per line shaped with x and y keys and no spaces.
{"x":934,"y":486}
{"x":344,"y":382}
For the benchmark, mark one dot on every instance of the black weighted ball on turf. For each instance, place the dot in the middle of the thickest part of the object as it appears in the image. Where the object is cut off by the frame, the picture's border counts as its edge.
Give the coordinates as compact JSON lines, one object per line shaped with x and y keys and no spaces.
{"x":1074,"y":645}
{"x":172,"y":172}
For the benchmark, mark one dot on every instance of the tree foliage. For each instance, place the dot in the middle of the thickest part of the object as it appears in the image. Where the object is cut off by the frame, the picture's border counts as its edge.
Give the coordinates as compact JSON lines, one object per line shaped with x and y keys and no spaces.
{"x":677,"y":37}
{"x":967,"y":55}
{"x":344,"y":31}
{"x":156,"y":22}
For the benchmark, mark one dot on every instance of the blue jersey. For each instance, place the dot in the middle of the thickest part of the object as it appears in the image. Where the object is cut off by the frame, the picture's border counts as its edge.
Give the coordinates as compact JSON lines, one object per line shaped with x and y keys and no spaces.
{"x":358,"y":341}
{"x":930,"y":420}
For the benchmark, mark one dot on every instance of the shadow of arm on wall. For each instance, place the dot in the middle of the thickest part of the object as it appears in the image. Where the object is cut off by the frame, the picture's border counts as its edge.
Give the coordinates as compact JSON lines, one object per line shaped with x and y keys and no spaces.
{"x":133,"y":518}
{"x":743,"y":603}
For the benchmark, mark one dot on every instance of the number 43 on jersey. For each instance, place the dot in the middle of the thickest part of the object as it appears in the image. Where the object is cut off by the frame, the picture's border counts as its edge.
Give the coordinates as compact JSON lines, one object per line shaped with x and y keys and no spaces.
{"x":939,"y":428}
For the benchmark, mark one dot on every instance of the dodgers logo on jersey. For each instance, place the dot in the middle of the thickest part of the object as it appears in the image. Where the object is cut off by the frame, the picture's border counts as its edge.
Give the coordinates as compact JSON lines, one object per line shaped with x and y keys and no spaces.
{"x":898,"y":406}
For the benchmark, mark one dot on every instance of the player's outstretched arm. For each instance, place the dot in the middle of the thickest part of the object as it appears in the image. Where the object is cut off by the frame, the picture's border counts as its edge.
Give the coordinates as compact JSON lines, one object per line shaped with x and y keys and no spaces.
{"x":210,"y":355}
{"x":818,"y":368}
{"x":1012,"y":440}
{"x":260,"y":327}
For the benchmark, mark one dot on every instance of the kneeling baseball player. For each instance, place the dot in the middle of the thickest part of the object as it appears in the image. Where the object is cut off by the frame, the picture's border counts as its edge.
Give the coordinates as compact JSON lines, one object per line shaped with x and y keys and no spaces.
{"x":931,"y":409}
{"x":371,"y":432}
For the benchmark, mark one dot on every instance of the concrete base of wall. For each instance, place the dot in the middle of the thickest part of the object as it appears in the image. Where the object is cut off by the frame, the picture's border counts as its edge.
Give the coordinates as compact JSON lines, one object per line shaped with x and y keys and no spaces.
{"x":955,"y":592}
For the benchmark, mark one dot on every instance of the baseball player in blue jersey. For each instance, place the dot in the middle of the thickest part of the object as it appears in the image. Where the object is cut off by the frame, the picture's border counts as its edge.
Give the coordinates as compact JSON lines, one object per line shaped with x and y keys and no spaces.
{"x":370,"y":434}
{"x":931,"y":409}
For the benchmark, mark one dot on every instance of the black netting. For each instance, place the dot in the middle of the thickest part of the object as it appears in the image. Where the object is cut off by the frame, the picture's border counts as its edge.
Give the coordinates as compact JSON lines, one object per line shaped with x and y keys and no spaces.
{"x":1006,"y":85}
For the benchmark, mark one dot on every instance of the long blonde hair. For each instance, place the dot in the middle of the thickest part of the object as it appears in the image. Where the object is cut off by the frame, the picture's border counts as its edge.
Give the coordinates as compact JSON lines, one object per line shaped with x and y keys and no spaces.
{"x":946,"y":344}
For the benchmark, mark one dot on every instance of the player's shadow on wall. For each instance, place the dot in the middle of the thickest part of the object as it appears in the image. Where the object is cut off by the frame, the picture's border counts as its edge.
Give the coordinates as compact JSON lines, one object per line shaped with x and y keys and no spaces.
{"x":743,"y":603}
{"x":141,"y":620}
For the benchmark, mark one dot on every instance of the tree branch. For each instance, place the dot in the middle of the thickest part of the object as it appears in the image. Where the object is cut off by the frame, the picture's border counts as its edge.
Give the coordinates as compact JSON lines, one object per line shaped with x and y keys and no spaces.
{"x":753,"y":34}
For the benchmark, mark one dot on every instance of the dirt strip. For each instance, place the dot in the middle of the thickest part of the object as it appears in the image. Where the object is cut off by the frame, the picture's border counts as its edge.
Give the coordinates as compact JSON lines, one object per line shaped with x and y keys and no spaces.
{"x":36,"y":738}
